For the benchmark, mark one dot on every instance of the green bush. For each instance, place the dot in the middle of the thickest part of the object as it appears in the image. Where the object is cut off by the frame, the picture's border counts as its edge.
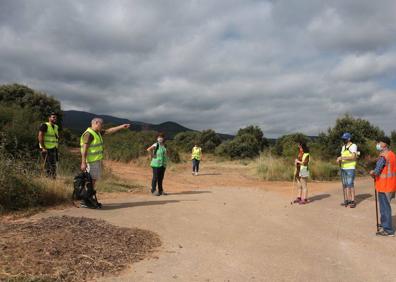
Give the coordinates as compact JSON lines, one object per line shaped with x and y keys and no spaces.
{"x":257,"y":133}
{"x":128,"y":145}
{"x":241,"y":147}
{"x":185,"y":141}
{"x":286,"y":145}
{"x":362,"y":131}
{"x":25,"y":97}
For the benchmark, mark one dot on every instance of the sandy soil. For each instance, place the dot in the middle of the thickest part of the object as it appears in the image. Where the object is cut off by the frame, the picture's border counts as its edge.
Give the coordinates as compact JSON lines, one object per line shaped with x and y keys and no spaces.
{"x":225,"y":225}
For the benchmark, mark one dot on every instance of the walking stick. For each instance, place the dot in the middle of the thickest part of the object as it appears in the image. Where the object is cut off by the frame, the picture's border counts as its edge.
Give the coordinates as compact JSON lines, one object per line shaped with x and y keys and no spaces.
{"x":342,"y":183}
{"x":294,"y":184}
{"x":376,"y":207}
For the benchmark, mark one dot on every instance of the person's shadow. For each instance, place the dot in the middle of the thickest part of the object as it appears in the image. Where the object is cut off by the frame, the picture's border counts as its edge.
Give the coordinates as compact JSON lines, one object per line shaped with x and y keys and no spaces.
{"x":189,"y":192}
{"x":361,"y":197}
{"x":114,"y":206}
{"x":319,"y":197}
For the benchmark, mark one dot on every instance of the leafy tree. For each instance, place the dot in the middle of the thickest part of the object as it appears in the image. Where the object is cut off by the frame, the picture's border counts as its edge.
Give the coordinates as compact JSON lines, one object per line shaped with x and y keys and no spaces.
{"x":186,"y":140}
{"x":393,"y":139}
{"x":362,"y":131}
{"x":25,"y":97}
{"x":255,"y":131}
{"x":241,"y":147}
{"x":209,"y":140}
{"x":286,"y":145}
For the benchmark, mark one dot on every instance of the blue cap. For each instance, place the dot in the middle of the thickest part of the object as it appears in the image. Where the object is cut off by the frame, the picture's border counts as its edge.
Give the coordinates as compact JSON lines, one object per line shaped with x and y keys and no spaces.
{"x":346,"y":136}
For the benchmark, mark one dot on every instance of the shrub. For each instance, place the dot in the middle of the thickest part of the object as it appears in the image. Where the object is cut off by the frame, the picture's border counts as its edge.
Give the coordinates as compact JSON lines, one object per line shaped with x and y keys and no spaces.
{"x":362,"y":131}
{"x":185,"y":141}
{"x":286,"y":145}
{"x":241,"y":147}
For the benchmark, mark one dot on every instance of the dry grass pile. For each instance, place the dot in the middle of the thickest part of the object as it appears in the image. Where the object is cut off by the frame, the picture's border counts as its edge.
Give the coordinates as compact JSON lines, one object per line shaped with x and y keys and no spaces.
{"x":70,"y":249}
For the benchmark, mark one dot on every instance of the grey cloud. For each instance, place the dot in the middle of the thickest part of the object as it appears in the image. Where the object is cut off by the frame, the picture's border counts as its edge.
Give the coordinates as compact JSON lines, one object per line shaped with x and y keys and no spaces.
{"x":283,"y":65}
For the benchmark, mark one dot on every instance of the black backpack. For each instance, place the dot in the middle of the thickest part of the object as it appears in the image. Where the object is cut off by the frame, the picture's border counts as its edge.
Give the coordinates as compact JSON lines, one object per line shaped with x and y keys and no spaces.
{"x":84,"y":191}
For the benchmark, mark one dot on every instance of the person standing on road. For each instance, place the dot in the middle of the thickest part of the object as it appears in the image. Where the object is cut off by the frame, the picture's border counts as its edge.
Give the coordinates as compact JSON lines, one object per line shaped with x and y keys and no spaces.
{"x":196,"y":157}
{"x":347,"y":162}
{"x":302,"y":173}
{"x":158,"y":163}
{"x":385,"y":184}
{"x":92,"y":148}
{"x":48,"y":138}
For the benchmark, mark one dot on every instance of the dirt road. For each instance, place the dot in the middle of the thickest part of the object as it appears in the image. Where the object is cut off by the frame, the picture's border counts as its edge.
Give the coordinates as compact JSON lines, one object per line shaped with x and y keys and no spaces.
{"x":226,"y":226}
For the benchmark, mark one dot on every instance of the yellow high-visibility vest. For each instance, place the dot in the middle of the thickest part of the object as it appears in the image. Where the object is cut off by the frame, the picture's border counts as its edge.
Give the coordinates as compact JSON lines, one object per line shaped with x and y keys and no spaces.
{"x":96,"y":148}
{"x":345,"y":153}
{"x":51,"y":136}
{"x":196,"y":153}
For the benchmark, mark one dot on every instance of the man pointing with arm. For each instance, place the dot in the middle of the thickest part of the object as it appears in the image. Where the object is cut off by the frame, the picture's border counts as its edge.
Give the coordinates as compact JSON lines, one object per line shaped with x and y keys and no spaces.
{"x":92,"y":148}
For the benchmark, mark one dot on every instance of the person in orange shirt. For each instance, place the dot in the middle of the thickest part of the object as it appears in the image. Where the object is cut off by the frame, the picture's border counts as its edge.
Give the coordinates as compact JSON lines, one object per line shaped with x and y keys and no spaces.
{"x":385,"y":184}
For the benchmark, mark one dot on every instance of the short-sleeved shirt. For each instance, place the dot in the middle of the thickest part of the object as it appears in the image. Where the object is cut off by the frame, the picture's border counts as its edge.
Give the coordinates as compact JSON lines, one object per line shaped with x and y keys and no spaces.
{"x":44,"y":127}
{"x":88,"y":138}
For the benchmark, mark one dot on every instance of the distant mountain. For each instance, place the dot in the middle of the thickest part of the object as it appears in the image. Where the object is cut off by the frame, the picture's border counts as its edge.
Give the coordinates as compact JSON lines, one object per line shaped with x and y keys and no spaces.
{"x":78,"y":121}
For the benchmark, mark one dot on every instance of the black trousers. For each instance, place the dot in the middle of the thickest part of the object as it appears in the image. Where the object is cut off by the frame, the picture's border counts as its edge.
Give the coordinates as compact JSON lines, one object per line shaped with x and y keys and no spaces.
{"x":50,"y":158}
{"x":195,"y":166}
{"x":158,"y":177}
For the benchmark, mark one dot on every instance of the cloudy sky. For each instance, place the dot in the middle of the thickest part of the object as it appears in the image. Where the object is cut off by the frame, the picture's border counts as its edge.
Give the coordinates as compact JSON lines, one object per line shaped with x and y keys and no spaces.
{"x":286,"y":66}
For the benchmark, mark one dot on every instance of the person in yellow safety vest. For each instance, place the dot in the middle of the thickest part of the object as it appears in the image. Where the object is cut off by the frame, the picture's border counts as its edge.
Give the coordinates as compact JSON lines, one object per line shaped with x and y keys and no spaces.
{"x":347,"y":162}
{"x":196,"y":157}
{"x":92,"y":149}
{"x":303,"y":173}
{"x":48,"y":138}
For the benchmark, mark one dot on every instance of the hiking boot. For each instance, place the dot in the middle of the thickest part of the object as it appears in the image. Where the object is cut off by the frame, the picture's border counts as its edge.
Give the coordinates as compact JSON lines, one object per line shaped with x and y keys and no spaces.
{"x":384,"y":234}
{"x":296,"y":201}
{"x":304,"y":202}
{"x":352,"y":204}
{"x":345,"y":203}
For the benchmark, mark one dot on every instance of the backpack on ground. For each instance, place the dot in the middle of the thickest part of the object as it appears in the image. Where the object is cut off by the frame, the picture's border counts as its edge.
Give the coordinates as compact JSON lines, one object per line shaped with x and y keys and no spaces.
{"x":84,"y":191}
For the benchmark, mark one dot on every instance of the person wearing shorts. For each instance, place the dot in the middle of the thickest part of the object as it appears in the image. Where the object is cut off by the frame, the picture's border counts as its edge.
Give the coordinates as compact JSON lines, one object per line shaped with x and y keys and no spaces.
{"x":347,"y":162}
{"x":91,"y":143}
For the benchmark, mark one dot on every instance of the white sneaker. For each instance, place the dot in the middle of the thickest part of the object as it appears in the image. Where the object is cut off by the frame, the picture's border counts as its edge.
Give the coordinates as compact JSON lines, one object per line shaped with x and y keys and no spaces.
{"x":196,"y":174}
{"x":193,"y":173}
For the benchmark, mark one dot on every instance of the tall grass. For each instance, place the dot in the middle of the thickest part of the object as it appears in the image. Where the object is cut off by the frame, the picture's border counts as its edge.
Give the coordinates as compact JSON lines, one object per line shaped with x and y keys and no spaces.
{"x":270,"y":167}
{"x":22,"y":188}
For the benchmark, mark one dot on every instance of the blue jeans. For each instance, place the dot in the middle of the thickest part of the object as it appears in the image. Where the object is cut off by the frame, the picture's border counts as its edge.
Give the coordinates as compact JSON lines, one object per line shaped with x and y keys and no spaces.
{"x":348,"y":178}
{"x":195,"y":165}
{"x":386,"y":211}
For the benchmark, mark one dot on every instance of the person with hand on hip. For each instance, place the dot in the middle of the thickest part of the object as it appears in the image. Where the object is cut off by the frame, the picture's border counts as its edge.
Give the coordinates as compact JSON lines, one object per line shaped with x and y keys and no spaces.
{"x":159,"y":160}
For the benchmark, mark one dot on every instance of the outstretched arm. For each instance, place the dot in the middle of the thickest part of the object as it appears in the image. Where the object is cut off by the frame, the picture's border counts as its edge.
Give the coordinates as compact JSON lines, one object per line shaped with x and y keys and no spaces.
{"x":116,"y":128}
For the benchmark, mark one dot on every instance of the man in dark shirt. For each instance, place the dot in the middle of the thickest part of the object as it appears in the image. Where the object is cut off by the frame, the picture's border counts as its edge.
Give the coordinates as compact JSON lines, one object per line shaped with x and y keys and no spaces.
{"x":48,"y":137}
